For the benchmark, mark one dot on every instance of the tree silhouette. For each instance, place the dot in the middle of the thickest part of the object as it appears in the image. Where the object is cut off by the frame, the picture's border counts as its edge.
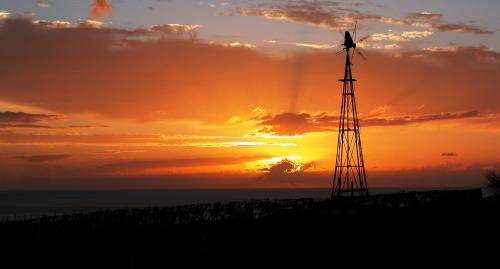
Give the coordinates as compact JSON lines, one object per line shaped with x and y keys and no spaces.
{"x":493,"y":182}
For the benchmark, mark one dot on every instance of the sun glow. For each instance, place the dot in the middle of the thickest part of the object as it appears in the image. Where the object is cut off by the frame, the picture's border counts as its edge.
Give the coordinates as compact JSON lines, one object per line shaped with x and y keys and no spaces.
{"x":278,"y":159}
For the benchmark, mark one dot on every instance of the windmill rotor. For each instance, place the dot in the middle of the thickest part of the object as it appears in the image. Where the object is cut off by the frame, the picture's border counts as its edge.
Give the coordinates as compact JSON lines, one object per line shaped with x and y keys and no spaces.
{"x":355,"y":49}
{"x":350,"y":43}
{"x":355,"y":29}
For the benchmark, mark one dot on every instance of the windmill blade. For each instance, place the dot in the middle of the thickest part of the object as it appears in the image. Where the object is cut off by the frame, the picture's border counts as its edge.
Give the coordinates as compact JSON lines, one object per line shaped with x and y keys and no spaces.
{"x":361,"y":54}
{"x":364,"y":38}
{"x":339,"y":52}
{"x":355,"y":29}
{"x":352,"y":55}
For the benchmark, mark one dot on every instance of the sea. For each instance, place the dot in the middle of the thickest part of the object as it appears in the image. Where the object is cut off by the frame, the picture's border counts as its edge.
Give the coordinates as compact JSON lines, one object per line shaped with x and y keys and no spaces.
{"x":15,"y":205}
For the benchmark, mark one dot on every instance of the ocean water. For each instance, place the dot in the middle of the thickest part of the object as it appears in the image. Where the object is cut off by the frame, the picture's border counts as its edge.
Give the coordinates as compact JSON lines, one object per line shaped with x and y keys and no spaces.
{"x":26,"y":204}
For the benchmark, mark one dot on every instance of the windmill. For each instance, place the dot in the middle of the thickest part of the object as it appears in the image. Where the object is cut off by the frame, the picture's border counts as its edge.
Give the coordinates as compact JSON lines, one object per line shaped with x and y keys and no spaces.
{"x":349,"y":177}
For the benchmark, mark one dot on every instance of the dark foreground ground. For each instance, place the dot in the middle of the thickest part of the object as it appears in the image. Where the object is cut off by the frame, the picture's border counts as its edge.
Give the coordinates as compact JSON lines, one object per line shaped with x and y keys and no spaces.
{"x":414,"y":225}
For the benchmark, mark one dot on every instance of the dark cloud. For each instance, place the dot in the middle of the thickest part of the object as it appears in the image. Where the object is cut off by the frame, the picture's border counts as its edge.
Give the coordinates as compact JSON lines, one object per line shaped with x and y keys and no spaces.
{"x":86,"y":126}
{"x":35,"y":126}
{"x":362,"y":4}
{"x":330,"y":15}
{"x":438,"y":176}
{"x":95,"y":139}
{"x":321,"y":13}
{"x":291,"y":124}
{"x":449,"y":154}
{"x":461,"y":28}
{"x":44,"y":181}
{"x":286,"y":171}
{"x":22,"y":117}
{"x":17,"y":177}
{"x":39,"y":126}
{"x":434,"y":24}
{"x":407,"y":120}
{"x":10,"y":119}
{"x":425,"y":15}
{"x":142,"y":165}
{"x":112,"y":173}
{"x":287,"y":166}
{"x":298,"y":124}
{"x":43,"y":158}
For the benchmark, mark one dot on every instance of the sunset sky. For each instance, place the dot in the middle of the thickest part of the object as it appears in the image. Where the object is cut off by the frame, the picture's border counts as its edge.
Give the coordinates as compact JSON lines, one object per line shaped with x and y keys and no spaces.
{"x":122,"y":94}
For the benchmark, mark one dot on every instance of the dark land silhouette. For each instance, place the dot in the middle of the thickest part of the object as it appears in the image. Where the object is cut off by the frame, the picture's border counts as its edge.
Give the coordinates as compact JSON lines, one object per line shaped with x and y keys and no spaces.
{"x":416,"y":223}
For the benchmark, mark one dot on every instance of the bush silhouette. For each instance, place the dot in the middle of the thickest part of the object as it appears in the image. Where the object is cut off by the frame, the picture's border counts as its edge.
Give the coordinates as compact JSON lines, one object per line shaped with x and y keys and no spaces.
{"x":493,"y":182}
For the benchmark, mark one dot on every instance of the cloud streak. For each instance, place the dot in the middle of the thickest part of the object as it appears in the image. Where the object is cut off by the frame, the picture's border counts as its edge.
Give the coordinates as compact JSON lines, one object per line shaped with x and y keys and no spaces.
{"x":176,"y":29}
{"x":400,"y":37}
{"x":315,"y":46}
{"x":331,"y":16}
{"x":289,"y":124}
{"x":43,"y":158}
{"x":22,"y":117}
{"x":9,"y":119}
{"x":425,"y":15}
{"x":315,"y":13}
{"x":448,"y":176}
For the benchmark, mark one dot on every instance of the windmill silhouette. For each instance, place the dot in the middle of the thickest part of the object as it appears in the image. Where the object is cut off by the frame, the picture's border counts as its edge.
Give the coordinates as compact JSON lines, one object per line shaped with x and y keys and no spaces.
{"x":349,"y":177}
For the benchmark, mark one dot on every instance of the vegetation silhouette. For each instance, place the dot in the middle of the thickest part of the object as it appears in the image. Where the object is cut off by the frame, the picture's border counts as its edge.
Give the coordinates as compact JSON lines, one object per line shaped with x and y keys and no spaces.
{"x":283,"y":230}
{"x":493,"y":182}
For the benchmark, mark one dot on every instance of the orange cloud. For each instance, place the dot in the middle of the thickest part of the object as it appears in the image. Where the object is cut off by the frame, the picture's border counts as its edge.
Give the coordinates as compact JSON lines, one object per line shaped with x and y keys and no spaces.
{"x":100,"y":7}
{"x":108,"y":73}
{"x":298,"y":124}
